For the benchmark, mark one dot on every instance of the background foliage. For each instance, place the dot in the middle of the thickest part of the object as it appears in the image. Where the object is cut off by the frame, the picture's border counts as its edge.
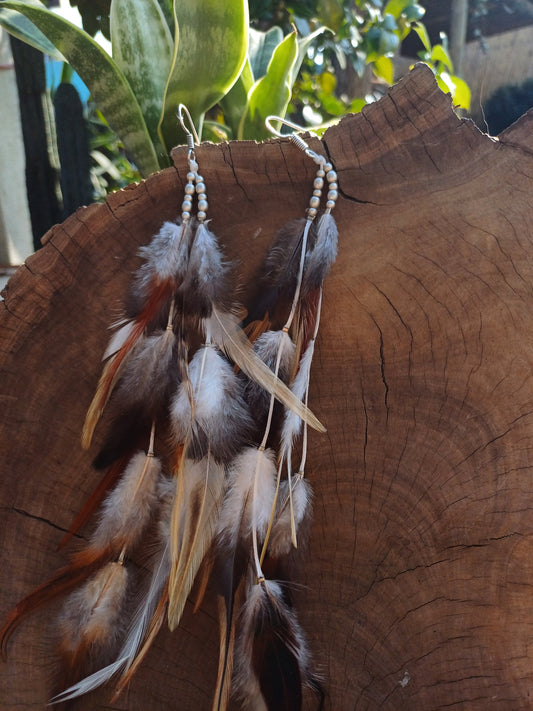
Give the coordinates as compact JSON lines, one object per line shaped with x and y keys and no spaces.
{"x":232,"y":63}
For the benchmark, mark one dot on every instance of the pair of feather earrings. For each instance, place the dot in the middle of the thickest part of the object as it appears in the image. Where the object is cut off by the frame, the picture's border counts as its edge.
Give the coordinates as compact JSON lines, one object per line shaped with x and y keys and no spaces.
{"x":224,"y":504}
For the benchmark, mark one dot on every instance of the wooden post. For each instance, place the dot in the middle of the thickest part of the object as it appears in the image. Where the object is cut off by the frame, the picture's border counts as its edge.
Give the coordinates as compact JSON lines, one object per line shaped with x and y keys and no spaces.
{"x":415,"y":589}
{"x":458,"y":27}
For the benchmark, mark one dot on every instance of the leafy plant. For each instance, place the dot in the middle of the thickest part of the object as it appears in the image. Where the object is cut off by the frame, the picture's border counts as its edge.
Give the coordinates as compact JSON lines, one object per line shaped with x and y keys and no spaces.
{"x":231,"y":77}
{"x":438,"y":58}
{"x":154,"y":65}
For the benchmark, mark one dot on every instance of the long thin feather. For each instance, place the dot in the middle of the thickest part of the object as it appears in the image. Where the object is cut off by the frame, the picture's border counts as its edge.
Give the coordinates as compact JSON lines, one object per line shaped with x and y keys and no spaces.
{"x":193,"y":525}
{"x":161,"y":293}
{"x":144,"y":614}
{"x":227,"y":334}
{"x":95,"y":499}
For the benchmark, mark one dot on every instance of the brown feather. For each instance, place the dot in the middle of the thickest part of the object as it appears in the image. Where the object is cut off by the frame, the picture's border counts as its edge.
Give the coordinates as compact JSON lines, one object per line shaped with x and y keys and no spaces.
{"x":160,"y":293}
{"x":83,"y":564}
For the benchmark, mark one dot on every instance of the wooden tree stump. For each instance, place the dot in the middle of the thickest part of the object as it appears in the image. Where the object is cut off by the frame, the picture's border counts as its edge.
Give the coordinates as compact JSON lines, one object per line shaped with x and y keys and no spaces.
{"x":416,"y":588}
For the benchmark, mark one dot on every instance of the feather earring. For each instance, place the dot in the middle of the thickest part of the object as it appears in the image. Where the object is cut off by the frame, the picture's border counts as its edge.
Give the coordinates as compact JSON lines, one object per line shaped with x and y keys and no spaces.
{"x":213,"y":498}
{"x":263,"y":640}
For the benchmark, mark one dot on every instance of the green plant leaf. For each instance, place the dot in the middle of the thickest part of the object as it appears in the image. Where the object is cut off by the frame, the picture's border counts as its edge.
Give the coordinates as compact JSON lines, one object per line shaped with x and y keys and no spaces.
{"x":396,"y":7}
{"x":102,"y":76}
{"x":462,"y":95}
{"x":270,"y":94}
{"x":210,"y":54}
{"x":458,"y":89}
{"x":234,"y":102}
{"x":168,"y":13}
{"x":143,"y":47}
{"x":421,"y":31}
{"x":330,"y":13}
{"x":384,"y":68}
{"x":439,"y":54}
{"x":261,"y":46}
{"x":303,"y":46}
{"x":19,"y":26}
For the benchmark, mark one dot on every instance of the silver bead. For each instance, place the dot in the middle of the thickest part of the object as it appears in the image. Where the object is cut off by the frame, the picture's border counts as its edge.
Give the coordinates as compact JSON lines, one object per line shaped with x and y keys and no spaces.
{"x":200,"y":187}
{"x":203,"y":196}
{"x":201,"y":215}
{"x":333,"y":195}
{"x":330,"y":204}
{"x":317,"y":193}
{"x":333,"y":186}
{"x":328,"y":167}
{"x":189,"y":189}
{"x":311,"y":212}
{"x":320,"y":173}
{"x":319,"y":183}
{"x":202,"y":206}
{"x":314,"y":202}
{"x":331,"y":177}
{"x":190,"y":177}
{"x":185,"y":216}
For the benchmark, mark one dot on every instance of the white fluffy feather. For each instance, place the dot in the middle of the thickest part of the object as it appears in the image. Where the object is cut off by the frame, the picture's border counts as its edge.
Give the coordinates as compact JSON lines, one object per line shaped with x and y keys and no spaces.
{"x":91,"y":613}
{"x":292,"y":423}
{"x":167,"y":255}
{"x":280,"y":541}
{"x":127,"y":509}
{"x":252,"y":471}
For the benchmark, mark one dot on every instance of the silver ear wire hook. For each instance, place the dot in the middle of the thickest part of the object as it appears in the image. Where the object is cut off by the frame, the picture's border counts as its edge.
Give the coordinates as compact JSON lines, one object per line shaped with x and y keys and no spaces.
{"x":192,"y":136}
{"x":294,"y":137}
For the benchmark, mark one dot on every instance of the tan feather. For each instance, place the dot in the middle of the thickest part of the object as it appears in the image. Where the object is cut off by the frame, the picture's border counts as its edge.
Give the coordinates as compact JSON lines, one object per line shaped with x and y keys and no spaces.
{"x":199,"y":492}
{"x":226,"y":332}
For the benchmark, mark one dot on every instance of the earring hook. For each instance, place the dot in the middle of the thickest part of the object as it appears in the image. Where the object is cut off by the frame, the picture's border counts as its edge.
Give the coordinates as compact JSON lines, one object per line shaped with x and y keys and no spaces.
{"x":297,"y":140}
{"x":192,"y":136}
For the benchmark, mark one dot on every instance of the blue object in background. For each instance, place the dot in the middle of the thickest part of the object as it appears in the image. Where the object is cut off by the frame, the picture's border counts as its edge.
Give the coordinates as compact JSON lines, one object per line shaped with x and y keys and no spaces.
{"x":54,"y":70}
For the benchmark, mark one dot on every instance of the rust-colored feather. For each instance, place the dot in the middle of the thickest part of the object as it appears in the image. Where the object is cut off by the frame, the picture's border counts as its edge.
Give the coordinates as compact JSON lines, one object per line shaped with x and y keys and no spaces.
{"x":159,"y":294}
{"x":83,"y":564}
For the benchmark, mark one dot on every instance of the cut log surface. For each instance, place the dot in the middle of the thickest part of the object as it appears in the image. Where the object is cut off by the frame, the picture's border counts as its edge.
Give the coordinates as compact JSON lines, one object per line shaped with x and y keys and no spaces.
{"x":416,"y":588}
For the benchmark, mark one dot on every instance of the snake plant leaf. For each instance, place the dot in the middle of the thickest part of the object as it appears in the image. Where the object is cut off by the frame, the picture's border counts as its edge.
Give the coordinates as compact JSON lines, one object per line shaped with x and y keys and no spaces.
{"x":167,"y":8}
{"x":20,"y":27}
{"x":142,"y":48}
{"x":106,"y":82}
{"x":261,"y":46}
{"x":303,"y":45}
{"x":234,"y":102}
{"x":208,"y":58}
{"x":270,"y":94}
